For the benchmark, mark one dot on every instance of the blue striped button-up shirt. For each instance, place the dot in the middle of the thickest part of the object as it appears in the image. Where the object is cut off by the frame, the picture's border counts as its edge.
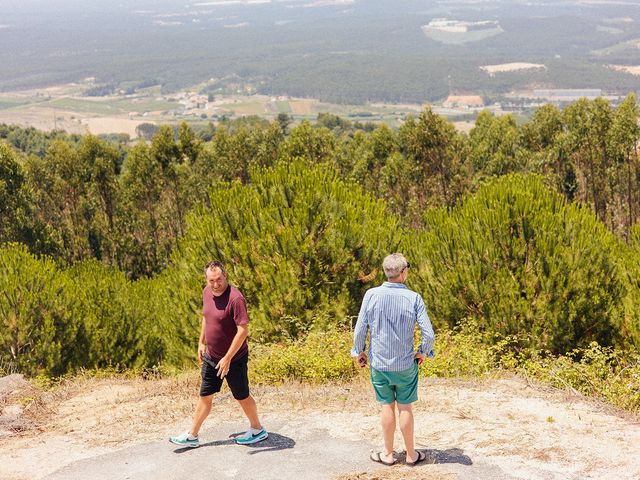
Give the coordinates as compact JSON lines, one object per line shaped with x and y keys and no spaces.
{"x":391,"y":312}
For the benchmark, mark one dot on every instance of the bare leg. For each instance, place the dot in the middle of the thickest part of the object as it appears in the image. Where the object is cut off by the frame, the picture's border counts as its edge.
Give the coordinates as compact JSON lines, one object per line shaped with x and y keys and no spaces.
{"x":406,"y":427}
{"x":202,"y":411}
{"x":251,"y":411}
{"x":388,"y":430}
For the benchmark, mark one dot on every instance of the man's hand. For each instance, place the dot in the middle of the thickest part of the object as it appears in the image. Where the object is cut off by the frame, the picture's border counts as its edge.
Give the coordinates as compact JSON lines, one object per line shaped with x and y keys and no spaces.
{"x":201,"y":349}
{"x":361,"y":360}
{"x":223,"y":367}
{"x":420,"y":358}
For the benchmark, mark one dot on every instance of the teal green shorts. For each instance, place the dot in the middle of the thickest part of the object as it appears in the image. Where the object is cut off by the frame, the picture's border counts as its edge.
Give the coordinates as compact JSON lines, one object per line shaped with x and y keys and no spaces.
{"x":401,"y":387}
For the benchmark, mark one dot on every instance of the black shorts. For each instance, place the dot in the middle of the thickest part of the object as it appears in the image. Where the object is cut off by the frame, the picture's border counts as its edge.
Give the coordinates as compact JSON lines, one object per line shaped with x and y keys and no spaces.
{"x":237,"y":377}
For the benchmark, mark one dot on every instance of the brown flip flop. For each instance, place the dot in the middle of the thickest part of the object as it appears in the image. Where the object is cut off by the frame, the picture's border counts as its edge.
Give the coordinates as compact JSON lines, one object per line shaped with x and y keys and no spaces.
{"x":376,"y":457}
{"x":421,"y":457}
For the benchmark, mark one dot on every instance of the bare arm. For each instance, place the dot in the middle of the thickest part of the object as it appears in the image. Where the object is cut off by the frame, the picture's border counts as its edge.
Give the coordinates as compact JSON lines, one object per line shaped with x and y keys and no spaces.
{"x":202,"y":345}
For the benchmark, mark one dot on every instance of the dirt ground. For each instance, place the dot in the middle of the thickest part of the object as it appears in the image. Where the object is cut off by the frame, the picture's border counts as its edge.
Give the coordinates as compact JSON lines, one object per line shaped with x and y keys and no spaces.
{"x":528,"y":430}
{"x":43,"y":119}
{"x":301,"y":107}
{"x":633,"y":70}
{"x":106,"y":125}
{"x":510,"y":67}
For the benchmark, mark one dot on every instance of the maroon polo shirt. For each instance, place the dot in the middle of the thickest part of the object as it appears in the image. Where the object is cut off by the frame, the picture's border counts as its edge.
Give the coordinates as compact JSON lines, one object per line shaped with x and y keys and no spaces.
{"x":222,"y":315}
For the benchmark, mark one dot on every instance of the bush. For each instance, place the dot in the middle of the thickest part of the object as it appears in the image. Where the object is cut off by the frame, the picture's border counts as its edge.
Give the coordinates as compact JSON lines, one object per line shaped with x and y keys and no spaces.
{"x":534,"y":273}
{"x":89,"y":316}
{"x":461,"y":352}
{"x":325,"y":356}
{"x":37,"y":327}
{"x":610,"y":374}
{"x":320,"y":357}
{"x":523,"y":263}
{"x":299,"y":243}
{"x":110,"y":333}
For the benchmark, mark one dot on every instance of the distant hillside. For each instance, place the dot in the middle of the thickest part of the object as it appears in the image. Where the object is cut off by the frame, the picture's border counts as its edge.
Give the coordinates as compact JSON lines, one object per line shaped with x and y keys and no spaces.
{"x":345,"y":51}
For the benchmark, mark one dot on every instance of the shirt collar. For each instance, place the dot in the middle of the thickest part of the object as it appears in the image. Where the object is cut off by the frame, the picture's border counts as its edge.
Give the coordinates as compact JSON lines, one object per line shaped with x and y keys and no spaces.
{"x":394,"y":285}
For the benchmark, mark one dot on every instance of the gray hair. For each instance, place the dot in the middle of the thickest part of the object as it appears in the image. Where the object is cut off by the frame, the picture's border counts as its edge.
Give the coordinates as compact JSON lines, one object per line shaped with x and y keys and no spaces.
{"x":214,"y":264}
{"x":394,"y":264}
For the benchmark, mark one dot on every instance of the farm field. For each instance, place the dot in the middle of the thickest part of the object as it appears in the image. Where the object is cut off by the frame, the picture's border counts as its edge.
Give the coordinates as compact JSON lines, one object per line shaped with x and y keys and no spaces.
{"x":64,"y":107}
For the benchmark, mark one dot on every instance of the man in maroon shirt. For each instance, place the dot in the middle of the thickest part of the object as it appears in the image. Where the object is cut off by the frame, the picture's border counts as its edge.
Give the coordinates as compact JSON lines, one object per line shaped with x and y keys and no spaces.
{"x":223,"y":351}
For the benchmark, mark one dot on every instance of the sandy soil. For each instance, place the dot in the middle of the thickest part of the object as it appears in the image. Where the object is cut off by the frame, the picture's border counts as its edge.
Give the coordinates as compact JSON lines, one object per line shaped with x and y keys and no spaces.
{"x":634,"y":70}
{"x":528,"y":430}
{"x":406,"y":106}
{"x":464,"y":127}
{"x":43,"y":119}
{"x":72,"y":122}
{"x":510,"y":67}
{"x":65,"y":89}
{"x":106,"y":125}
{"x":301,"y":107}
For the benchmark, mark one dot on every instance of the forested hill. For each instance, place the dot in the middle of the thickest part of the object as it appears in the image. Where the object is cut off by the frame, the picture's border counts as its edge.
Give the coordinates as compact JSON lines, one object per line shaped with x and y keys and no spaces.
{"x":347,"y":51}
{"x":525,"y":233}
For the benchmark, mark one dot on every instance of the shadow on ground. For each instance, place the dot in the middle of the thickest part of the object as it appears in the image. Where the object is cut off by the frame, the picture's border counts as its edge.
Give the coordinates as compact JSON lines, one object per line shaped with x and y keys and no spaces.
{"x":274,"y":442}
{"x":451,"y":455}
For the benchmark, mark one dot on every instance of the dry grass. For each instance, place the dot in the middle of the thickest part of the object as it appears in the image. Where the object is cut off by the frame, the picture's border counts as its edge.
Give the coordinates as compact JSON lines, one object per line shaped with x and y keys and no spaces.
{"x":106,"y":405}
{"x":301,"y":107}
{"x":12,"y":419}
{"x":43,"y":119}
{"x":104,"y":402}
{"x":504,"y":420}
{"x":465,"y":414}
{"x":106,"y":125}
{"x":99,"y":408}
{"x":401,"y":473}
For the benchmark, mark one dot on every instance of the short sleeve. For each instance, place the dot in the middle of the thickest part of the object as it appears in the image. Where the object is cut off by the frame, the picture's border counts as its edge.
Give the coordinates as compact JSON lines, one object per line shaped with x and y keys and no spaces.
{"x":240,"y":315}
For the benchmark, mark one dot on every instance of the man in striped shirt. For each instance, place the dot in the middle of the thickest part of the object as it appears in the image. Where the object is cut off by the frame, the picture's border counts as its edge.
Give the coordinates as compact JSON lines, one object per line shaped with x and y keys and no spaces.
{"x":390,"y":312}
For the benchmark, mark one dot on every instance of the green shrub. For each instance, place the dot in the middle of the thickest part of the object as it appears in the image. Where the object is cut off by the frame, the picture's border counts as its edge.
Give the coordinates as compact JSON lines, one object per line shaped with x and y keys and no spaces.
{"x":88,"y":316}
{"x":605,"y":373}
{"x":325,"y":356}
{"x":170,"y":318}
{"x":37,"y":327}
{"x":523,"y":263}
{"x":462,"y":353}
{"x":320,"y":357}
{"x":534,"y":273}
{"x":99,"y":298}
{"x":298,"y":242}
{"x":630,"y":266}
